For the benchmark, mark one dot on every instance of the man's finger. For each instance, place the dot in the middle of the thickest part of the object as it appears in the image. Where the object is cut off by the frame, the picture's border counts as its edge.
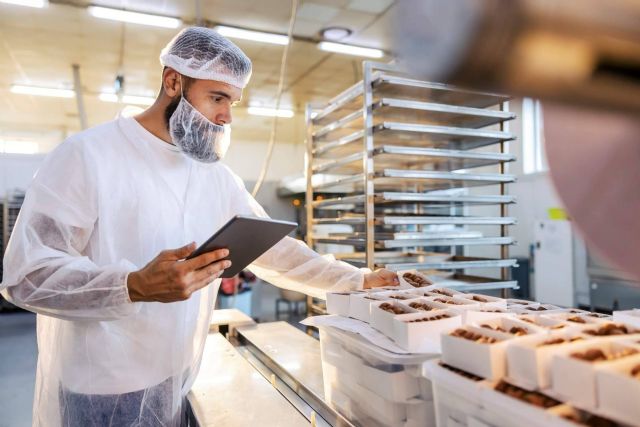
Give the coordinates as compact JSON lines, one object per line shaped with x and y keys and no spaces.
{"x":179,"y":253}
{"x":205,"y":259}
{"x":211,"y":272}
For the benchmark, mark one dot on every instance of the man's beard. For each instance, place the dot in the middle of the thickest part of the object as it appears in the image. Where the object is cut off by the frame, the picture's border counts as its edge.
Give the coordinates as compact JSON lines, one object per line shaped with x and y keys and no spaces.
{"x":170,"y":109}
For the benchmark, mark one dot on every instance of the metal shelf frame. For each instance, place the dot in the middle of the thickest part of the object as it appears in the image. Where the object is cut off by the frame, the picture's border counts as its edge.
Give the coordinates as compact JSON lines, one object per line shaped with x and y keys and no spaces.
{"x":398,"y":151}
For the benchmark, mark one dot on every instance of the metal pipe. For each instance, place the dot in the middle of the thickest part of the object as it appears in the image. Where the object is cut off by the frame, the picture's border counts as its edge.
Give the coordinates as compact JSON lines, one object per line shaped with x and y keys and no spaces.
{"x":77,"y":86}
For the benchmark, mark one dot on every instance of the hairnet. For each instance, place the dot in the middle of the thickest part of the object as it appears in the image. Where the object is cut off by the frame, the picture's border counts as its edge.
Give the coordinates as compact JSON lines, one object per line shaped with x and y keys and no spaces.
{"x":202,"y":53}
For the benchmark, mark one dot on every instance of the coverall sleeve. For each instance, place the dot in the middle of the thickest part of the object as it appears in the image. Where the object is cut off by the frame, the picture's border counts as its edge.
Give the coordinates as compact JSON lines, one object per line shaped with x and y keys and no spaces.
{"x":291,"y":264}
{"x":46,"y":269}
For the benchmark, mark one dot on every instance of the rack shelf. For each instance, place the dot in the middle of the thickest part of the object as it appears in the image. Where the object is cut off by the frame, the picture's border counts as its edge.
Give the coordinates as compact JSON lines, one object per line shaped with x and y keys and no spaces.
{"x":390,"y":174}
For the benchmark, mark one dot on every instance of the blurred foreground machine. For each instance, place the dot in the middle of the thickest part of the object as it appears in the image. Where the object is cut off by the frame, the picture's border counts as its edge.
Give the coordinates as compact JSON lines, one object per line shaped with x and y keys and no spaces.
{"x":582,"y":57}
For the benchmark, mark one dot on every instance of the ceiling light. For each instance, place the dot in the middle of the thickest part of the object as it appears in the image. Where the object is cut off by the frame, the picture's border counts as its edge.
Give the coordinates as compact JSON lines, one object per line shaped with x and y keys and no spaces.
{"x":335,"y":33}
{"x":350,"y":50}
{"x":42,"y":91}
{"x":29,"y":3}
{"x":127,"y":99}
{"x":9,"y":146}
{"x":270,"y":112}
{"x":134,"y":17}
{"x":258,"y":36}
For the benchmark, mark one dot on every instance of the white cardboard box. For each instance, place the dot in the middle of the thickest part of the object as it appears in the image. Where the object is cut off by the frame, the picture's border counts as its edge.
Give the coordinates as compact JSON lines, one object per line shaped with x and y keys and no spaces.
{"x":548,"y":323}
{"x":484,"y":314}
{"x":424,"y":337}
{"x":439,"y":292}
{"x":529,"y":364}
{"x":574,"y":380}
{"x":486,"y":300}
{"x":618,"y":393}
{"x":360,"y":305}
{"x":383,"y":320}
{"x":630,"y":317}
{"x":338,"y":302}
{"x":484,"y":360}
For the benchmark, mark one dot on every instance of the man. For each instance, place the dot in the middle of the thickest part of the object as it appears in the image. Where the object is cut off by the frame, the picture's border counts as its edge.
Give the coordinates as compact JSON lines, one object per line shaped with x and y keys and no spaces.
{"x":120,"y":345}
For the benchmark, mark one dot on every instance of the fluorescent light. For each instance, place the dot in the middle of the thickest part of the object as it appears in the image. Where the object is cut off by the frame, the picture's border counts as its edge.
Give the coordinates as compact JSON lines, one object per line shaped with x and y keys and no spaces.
{"x":134,"y":17}
{"x":29,"y":3}
{"x":42,"y":91}
{"x":350,"y":50}
{"x":270,"y":112}
{"x":18,"y":147}
{"x":127,"y":99}
{"x":257,"y":36}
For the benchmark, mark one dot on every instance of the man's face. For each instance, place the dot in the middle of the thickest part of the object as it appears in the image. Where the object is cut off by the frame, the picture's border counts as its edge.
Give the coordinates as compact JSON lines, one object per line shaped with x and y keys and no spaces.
{"x":212,"y":99}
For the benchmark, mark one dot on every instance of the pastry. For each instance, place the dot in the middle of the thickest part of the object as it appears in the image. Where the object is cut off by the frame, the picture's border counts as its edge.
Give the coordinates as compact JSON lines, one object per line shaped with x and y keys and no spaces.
{"x":416,"y":280}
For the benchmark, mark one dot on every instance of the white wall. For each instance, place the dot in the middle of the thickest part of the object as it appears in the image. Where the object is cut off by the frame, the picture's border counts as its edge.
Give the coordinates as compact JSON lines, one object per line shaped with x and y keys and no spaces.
{"x":16,"y":171}
{"x":246,"y":158}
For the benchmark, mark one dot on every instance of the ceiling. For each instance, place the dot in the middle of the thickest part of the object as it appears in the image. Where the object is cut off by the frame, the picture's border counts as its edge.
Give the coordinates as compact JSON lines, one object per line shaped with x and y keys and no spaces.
{"x":39,"y":46}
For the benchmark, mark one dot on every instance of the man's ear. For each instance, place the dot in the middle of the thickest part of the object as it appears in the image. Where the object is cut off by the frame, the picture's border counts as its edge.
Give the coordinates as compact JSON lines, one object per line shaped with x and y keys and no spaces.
{"x":171,"y":82}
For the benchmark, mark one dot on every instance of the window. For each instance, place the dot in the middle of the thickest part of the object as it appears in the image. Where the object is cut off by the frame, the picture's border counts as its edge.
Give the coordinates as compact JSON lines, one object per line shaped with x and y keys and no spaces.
{"x":533,"y":157}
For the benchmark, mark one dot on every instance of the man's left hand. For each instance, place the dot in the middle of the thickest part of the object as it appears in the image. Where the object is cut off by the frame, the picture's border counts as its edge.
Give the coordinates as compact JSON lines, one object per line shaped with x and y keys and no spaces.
{"x":379,"y":278}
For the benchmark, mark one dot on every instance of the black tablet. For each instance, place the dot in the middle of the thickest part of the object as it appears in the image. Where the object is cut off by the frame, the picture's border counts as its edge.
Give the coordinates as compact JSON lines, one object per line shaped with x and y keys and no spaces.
{"x":246,"y":238}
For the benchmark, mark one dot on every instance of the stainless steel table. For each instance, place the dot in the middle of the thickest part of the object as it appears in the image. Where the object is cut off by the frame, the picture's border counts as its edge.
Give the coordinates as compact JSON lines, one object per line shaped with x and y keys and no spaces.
{"x":230,"y":392}
{"x":292,"y":359}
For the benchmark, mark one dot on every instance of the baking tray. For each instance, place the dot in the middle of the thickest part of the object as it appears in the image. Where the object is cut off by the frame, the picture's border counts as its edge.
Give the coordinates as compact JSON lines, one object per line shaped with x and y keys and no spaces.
{"x":389,"y":85}
{"x":424,"y":243}
{"x":391,"y":198}
{"x":393,"y":109}
{"x":391,"y":179}
{"x":419,"y":220}
{"x":389,"y":156}
{"x":411,"y":135}
{"x":408,"y":261}
{"x":415,"y":112}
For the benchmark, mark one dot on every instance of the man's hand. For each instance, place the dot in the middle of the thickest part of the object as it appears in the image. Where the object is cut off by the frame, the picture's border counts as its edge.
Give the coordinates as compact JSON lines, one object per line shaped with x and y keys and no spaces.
{"x":379,"y":278}
{"x":168,"y":279}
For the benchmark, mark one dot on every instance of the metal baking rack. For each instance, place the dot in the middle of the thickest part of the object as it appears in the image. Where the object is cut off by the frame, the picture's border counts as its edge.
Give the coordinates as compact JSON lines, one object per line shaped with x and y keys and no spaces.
{"x":395,"y":161}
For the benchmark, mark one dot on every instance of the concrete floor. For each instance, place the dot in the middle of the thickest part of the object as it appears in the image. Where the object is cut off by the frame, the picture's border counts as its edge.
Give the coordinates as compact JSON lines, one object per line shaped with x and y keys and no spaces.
{"x":18,"y":353}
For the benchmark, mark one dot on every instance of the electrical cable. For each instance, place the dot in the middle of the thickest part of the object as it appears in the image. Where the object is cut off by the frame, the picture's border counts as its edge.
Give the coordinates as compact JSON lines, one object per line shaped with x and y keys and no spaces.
{"x":274,"y":123}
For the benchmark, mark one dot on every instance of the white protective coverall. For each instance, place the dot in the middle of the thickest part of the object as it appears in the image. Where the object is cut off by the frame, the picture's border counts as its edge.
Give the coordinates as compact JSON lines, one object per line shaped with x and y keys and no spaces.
{"x":105,"y":203}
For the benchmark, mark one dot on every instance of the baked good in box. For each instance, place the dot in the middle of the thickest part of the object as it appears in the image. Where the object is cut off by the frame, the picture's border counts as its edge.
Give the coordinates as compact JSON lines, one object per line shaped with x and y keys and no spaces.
{"x":468,"y":335}
{"x":608,"y":329}
{"x":598,"y":355}
{"x":429,"y":319}
{"x":556,"y":341}
{"x":531,"y":397}
{"x":416,"y":280}
{"x":421,"y":306}
{"x":391,"y":308}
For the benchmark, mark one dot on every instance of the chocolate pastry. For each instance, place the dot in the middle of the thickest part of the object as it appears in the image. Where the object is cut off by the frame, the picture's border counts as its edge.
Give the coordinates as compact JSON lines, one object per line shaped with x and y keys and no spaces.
{"x":480,"y":339}
{"x":555,"y":341}
{"x":493,"y":328}
{"x":421,"y":306}
{"x":636,"y":371}
{"x":445,"y":301}
{"x":461,"y":372}
{"x":597,"y":355}
{"x":608,"y":329}
{"x":400,"y":297}
{"x":525,"y":319}
{"x":479,"y":299}
{"x":442,"y":292}
{"x":415,"y":280}
{"x":428,"y":319}
{"x":589,"y":420}
{"x":576,"y":319}
{"x":540,"y":308}
{"x":532,"y":397}
{"x":518,"y":331}
{"x":391,"y":308}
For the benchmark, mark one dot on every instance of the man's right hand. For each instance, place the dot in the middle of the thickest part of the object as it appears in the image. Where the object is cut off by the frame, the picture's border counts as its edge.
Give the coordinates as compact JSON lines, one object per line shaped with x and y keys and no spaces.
{"x":169,"y":278}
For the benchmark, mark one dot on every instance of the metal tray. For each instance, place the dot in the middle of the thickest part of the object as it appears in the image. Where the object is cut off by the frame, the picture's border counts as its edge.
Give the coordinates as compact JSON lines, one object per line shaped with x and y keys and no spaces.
{"x":415,"y":158}
{"x":419,"y":220}
{"x":414,"y":112}
{"x":418,"y":243}
{"x":391,"y":198}
{"x":393,"y":109}
{"x":400,"y":87}
{"x":408,"y":261}
{"x":391,"y":179}
{"x":463,"y":282}
{"x":412,"y":135}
